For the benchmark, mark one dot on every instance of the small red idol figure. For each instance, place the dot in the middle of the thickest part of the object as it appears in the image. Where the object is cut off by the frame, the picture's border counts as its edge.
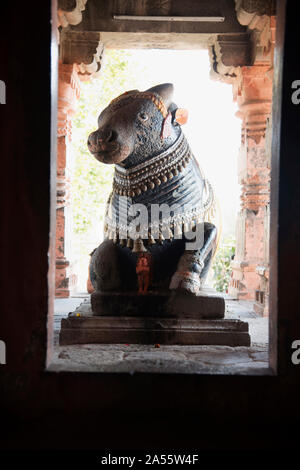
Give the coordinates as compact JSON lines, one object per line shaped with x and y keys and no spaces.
{"x":143,"y":272}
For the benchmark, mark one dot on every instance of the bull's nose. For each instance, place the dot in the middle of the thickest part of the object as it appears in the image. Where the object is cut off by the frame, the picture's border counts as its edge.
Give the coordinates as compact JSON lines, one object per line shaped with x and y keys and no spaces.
{"x":92,"y":140}
{"x":106,"y":135}
{"x":102,"y":139}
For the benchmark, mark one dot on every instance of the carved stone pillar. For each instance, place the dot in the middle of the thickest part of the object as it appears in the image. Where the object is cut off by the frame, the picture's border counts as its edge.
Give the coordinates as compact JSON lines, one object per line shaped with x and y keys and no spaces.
{"x":68,"y":94}
{"x":250,"y":71}
{"x":253,"y":93}
{"x":80,"y":59}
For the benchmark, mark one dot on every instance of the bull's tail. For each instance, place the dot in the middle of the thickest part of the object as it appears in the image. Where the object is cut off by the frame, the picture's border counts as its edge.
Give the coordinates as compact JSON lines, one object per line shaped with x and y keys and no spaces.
{"x":212,"y":211}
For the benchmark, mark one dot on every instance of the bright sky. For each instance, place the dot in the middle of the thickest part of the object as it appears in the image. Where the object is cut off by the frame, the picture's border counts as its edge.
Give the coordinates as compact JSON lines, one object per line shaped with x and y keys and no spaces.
{"x":213,"y":130}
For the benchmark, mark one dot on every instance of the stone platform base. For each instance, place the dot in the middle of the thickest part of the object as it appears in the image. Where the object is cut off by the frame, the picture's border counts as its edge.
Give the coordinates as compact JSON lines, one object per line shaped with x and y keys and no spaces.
{"x":82,"y":327}
{"x":208,"y":304}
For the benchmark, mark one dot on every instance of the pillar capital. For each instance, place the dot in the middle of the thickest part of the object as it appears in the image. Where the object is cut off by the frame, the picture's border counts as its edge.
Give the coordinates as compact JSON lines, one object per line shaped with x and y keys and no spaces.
{"x":252,"y":90}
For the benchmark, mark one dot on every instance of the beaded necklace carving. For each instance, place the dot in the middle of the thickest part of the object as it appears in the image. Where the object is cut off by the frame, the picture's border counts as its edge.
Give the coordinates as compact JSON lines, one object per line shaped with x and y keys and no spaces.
{"x":158,"y":180}
{"x":153,"y":172}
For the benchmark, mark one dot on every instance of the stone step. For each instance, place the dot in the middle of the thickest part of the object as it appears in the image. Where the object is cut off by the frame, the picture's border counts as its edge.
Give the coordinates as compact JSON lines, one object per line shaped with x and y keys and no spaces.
{"x":87,"y":328}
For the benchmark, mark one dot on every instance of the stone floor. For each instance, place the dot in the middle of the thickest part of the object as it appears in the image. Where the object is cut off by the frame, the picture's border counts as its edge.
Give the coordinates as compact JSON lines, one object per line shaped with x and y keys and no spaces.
{"x":132,"y":358}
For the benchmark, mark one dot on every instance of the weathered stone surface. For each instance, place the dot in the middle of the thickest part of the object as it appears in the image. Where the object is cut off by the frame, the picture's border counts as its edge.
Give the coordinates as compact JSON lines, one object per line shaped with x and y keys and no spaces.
{"x":170,"y":359}
{"x":184,"y":359}
{"x":208,"y":304}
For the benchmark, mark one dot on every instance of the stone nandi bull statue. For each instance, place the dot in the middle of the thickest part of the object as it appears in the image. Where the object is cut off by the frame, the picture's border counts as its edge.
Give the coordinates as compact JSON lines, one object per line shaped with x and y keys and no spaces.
{"x":140,"y":133}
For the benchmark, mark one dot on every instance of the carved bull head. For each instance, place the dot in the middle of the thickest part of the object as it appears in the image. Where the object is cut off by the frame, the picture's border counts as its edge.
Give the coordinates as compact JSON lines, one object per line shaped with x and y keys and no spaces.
{"x":136,"y":126}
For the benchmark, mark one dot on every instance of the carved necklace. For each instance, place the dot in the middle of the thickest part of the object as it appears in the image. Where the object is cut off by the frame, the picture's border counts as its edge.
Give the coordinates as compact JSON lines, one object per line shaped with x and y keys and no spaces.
{"x":172,"y":177}
{"x":159,"y":169}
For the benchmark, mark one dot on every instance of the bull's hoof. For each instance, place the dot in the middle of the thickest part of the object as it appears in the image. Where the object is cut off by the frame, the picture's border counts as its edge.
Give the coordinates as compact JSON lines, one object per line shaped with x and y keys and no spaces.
{"x":187,"y":282}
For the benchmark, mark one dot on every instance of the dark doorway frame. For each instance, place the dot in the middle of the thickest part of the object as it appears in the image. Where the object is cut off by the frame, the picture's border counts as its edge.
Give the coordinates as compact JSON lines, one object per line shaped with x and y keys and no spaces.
{"x":41,"y":410}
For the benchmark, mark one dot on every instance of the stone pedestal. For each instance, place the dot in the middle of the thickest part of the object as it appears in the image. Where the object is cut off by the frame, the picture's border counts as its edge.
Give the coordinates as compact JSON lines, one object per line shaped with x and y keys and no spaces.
{"x":163,"y":318}
{"x":158,"y":304}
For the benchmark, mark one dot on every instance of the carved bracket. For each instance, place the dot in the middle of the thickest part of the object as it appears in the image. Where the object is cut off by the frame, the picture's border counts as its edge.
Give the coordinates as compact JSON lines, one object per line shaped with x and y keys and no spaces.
{"x":247,"y":9}
{"x":70,"y":12}
{"x":83,"y":49}
{"x":228,"y":53}
{"x":257,"y":16}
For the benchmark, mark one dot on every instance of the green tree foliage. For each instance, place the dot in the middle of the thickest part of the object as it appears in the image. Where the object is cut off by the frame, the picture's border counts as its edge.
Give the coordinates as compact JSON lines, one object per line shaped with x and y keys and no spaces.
{"x":221,"y":265}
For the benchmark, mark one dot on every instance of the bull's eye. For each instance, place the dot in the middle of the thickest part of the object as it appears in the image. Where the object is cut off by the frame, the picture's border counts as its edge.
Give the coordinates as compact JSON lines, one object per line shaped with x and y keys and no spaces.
{"x":143,"y":116}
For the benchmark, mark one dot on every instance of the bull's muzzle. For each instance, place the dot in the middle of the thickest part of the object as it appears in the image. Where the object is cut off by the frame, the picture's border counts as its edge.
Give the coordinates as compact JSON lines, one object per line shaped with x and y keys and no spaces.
{"x":101,"y":140}
{"x":104,"y":146}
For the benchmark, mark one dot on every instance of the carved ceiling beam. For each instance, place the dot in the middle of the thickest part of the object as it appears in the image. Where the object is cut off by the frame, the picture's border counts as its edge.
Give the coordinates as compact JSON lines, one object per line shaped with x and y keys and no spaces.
{"x":160,"y":16}
{"x":70,"y":12}
{"x":84,"y":49}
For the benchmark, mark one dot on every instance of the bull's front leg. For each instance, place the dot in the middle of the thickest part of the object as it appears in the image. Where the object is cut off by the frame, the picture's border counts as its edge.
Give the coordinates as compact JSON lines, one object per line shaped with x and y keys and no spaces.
{"x":112,"y":268}
{"x":193,"y":265}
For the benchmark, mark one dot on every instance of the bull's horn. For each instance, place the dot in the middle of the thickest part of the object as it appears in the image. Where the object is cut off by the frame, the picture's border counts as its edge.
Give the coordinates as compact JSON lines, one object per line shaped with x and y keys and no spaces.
{"x":165,"y":91}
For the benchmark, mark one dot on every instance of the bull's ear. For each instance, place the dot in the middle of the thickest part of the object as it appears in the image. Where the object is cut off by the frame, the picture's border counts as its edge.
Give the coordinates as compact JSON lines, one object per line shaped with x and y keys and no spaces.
{"x":181,"y":116}
{"x":165,"y":91}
